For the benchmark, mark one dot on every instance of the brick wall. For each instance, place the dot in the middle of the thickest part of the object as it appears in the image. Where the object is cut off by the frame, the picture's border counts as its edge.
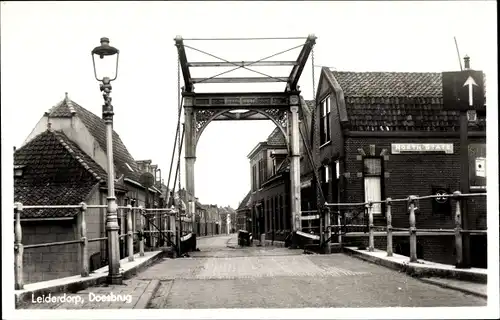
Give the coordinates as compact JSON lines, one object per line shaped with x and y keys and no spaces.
{"x":94,"y":219}
{"x":440,"y":248}
{"x":413,"y":174}
{"x":47,"y":263}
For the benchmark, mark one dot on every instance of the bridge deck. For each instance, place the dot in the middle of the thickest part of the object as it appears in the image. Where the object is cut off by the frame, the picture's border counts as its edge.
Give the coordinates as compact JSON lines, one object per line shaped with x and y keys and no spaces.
{"x":219,"y":276}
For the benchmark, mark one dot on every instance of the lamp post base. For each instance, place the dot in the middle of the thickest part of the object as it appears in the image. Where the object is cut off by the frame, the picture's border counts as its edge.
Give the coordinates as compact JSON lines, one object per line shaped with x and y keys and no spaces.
{"x":114,"y":279}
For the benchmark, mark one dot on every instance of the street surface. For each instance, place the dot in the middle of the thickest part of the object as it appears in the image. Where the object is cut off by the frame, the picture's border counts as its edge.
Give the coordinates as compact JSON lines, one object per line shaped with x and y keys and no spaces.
{"x":266,"y":277}
{"x":221,"y":275}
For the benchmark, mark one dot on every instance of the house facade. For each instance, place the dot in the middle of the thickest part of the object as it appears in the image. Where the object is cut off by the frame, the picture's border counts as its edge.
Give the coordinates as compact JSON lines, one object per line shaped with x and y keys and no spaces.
{"x":269,"y":201}
{"x":63,"y":161}
{"x":385,"y":134}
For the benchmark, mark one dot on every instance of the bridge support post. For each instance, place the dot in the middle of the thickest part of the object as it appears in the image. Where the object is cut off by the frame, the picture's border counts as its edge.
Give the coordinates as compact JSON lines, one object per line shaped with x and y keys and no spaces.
{"x":293,"y":123}
{"x":328,"y":231}
{"x":190,"y":158}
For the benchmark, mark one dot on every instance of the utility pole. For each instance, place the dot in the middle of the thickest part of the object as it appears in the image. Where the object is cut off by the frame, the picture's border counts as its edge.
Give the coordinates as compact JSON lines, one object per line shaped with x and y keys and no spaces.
{"x":463,"y":91}
{"x":464,"y":167}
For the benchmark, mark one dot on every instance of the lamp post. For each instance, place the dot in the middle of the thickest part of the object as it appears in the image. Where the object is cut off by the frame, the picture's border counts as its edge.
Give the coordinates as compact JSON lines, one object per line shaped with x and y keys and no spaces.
{"x":105,"y":71}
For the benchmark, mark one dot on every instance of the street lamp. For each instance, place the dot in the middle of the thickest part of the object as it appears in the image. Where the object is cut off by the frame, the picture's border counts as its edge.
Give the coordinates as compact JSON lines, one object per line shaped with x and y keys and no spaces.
{"x":105,"y":71}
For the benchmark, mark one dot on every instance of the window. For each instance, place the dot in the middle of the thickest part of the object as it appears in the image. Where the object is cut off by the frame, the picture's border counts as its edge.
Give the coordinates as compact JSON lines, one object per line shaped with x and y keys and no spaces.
{"x":277,"y":222}
{"x":262,"y":174}
{"x":326,"y":174}
{"x":372,"y":172}
{"x":337,"y":169}
{"x":324,"y":125}
{"x":325,"y":180}
{"x":254,"y":177}
{"x":277,"y":161}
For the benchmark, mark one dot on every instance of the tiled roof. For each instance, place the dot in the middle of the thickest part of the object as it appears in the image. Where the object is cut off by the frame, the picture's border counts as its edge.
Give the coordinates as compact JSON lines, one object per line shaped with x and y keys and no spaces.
{"x":55,"y":172}
{"x":389,"y":84}
{"x":276,"y":138}
{"x":97,"y":129}
{"x":244,"y":202}
{"x":397,"y":101}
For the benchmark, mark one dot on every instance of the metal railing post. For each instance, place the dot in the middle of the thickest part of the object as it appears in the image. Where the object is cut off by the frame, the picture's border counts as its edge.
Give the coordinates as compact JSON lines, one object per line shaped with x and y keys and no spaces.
{"x":389,"y":227}
{"x":122,"y":232}
{"x":130,"y":234}
{"x":371,"y":239}
{"x":173,"y":233}
{"x":413,"y":230}
{"x":18,"y":248}
{"x":339,"y":229}
{"x":458,"y":228}
{"x":141,"y":231}
{"x":84,"y":245}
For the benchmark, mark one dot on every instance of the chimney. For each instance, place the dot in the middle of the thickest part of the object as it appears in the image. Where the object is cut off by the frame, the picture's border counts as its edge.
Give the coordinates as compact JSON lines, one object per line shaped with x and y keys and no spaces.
{"x":467,"y":62}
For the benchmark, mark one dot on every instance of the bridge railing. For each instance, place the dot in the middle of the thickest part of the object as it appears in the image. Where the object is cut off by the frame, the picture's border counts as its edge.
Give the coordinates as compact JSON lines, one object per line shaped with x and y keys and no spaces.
{"x":458,"y":198}
{"x":127,"y":214}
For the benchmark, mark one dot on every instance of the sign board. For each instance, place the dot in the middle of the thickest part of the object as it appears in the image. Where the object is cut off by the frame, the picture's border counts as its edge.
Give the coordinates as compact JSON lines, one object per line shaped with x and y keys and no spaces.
{"x":463,"y":90}
{"x":398,"y":148}
{"x":147,"y":179}
{"x":441,"y":205}
{"x":477,"y":167}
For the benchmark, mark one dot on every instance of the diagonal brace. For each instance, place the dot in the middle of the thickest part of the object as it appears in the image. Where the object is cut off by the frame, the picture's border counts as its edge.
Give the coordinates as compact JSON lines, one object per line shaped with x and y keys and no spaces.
{"x":188,"y":83}
{"x":293,"y":79}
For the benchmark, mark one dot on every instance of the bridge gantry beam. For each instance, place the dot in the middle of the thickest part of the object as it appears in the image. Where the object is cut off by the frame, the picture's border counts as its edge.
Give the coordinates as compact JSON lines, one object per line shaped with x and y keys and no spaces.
{"x":283,"y":108}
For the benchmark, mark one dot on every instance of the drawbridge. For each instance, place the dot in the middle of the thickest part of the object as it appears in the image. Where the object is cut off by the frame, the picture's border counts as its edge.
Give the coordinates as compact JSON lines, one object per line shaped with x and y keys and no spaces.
{"x":285,"y":108}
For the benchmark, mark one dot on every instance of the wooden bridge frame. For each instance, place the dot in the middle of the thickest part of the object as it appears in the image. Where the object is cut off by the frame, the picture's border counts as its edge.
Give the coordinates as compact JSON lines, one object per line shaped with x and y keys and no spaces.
{"x":283,"y":108}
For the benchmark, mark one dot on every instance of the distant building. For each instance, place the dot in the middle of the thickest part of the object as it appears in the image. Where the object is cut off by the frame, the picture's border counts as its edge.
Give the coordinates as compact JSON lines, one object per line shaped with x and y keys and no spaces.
{"x":63,"y":161}
{"x":213,"y":219}
{"x":244,"y":214}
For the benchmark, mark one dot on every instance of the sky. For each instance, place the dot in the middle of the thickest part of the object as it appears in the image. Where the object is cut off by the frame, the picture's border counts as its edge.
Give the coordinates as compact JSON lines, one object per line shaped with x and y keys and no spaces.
{"x":46,"y":48}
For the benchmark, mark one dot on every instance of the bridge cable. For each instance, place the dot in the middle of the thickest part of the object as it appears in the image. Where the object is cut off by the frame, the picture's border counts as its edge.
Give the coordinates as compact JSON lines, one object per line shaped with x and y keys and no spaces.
{"x":178,"y":124}
{"x":313,"y":77}
{"x":242,"y":66}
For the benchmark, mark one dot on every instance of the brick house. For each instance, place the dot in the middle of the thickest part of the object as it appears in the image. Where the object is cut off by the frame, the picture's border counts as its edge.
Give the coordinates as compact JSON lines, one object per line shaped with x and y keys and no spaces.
{"x":244,"y":214}
{"x":385,"y":134}
{"x":62,"y":162}
{"x":270,"y":181}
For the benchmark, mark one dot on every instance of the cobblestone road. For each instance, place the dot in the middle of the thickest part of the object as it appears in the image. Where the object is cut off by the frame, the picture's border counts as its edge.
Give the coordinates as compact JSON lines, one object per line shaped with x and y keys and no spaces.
{"x":258,"y":277}
{"x":264,"y":277}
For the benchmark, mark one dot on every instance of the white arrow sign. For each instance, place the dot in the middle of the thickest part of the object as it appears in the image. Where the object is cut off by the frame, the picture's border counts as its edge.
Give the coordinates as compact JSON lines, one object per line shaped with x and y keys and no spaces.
{"x":470,"y":82}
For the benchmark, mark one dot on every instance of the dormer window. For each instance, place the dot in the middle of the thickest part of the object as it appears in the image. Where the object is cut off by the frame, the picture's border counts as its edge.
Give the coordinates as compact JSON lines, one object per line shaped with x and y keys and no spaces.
{"x":18,"y":171}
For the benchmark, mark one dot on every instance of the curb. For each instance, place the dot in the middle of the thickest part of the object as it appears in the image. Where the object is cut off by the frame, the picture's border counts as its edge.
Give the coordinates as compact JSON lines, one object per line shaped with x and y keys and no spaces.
{"x":94,"y":279}
{"x":452,"y":287}
{"x":419,"y":272}
{"x":148,"y":294}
